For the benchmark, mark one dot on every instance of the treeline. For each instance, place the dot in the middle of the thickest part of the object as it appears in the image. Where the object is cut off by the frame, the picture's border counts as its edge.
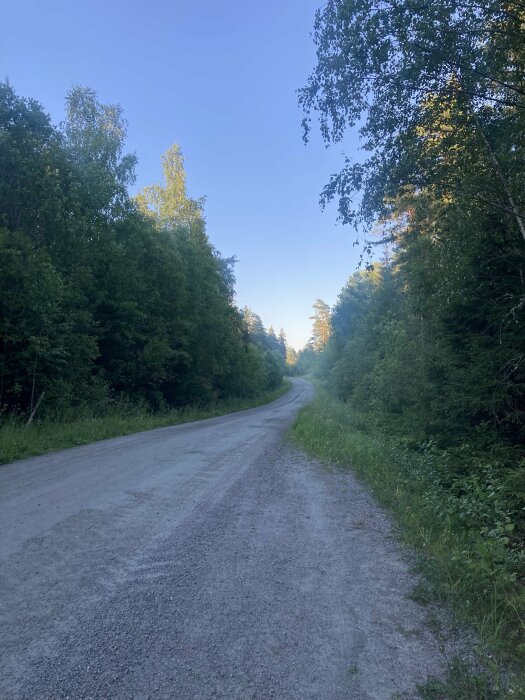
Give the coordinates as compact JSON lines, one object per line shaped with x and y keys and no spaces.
{"x":431,"y":343}
{"x":428,"y":345}
{"x":103,"y":296}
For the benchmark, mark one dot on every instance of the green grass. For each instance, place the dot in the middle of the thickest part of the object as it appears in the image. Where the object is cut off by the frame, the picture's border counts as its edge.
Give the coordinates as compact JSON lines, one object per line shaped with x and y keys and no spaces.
{"x":463,"y":683}
{"x":475,"y":573}
{"x":18,"y":441}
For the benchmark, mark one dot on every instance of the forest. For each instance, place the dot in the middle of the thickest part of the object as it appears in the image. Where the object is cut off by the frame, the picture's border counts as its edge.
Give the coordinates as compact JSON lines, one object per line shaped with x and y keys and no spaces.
{"x":110,"y":301}
{"x":106,"y":298}
{"x":423,"y":362}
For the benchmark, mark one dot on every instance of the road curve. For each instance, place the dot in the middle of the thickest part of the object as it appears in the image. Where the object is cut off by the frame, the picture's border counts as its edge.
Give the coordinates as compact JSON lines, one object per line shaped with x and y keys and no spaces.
{"x":206,"y":560}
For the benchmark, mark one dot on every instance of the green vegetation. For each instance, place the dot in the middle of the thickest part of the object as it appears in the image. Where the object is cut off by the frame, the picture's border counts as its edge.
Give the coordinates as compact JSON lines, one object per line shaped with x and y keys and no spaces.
{"x":303,"y":362}
{"x":424,"y":371}
{"x":321,"y":325}
{"x":106,"y":300}
{"x":463,"y":535}
{"x":463,"y":683}
{"x":18,"y":441}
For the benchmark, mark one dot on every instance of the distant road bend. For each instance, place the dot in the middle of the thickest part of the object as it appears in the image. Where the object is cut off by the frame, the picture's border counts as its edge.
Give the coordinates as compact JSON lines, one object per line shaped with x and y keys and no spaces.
{"x":206,"y":560}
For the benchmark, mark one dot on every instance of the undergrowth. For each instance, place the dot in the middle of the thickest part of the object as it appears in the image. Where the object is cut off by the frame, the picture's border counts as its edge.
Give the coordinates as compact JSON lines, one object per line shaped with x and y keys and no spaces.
{"x":85,"y":426}
{"x":463,"y":683}
{"x":467,"y":530}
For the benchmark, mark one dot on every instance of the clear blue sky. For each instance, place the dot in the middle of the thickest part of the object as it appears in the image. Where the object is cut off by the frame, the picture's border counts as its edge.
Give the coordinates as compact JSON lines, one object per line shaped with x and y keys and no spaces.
{"x":219,"y":78}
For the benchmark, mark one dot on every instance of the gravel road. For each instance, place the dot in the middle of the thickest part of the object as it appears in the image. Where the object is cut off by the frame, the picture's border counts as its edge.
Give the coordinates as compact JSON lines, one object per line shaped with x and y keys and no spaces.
{"x":207,"y":560}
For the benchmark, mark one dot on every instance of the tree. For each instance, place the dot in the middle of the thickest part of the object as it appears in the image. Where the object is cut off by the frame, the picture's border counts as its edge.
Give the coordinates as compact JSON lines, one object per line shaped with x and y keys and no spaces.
{"x":437,"y":91}
{"x":306,"y":360}
{"x":281,"y":343}
{"x":378,"y":64}
{"x":169,"y":202}
{"x":46,"y":328}
{"x":254,"y":327}
{"x":291,"y":357}
{"x":101,"y":298}
{"x":321,"y":328}
{"x":94,"y":136}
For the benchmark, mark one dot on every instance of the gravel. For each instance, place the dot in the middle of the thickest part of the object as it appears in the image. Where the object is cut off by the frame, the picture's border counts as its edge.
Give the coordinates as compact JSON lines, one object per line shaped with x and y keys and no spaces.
{"x":212,"y":560}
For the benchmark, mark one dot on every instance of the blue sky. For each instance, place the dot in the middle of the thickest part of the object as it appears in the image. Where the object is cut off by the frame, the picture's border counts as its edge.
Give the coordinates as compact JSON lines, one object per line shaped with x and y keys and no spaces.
{"x":219,"y":78}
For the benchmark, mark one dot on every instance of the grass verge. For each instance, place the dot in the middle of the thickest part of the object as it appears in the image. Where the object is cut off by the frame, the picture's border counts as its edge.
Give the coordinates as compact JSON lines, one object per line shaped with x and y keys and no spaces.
{"x":18,"y":441}
{"x":475,"y":572}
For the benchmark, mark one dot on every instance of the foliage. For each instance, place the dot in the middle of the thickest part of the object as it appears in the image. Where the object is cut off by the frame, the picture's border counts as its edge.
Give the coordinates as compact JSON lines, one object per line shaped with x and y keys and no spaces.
{"x":437,"y":91}
{"x":321,"y":327}
{"x":464,"y":530}
{"x":112,"y":419}
{"x":306,"y":361}
{"x":291,"y":358}
{"x":169,"y":203}
{"x":102,"y":297}
{"x":421,"y":79}
{"x":464,"y":683}
{"x":267,"y":345}
{"x":427,"y":346}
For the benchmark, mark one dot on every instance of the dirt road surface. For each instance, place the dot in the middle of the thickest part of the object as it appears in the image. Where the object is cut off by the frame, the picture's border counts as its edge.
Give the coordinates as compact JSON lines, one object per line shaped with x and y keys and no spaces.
{"x":207,"y":560}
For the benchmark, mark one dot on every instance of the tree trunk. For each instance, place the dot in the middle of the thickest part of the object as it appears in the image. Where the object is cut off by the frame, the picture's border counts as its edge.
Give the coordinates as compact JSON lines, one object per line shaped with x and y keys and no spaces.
{"x":520,"y":220}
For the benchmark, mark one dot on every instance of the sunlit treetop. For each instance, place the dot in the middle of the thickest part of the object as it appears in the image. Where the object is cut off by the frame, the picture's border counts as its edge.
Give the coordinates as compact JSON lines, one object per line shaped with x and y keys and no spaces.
{"x":169,"y":202}
{"x":378,"y":63}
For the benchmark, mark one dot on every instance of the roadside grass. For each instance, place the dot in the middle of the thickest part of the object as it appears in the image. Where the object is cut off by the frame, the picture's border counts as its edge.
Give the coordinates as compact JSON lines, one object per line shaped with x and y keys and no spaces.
{"x":464,"y":683}
{"x":475,"y":572}
{"x":18,"y":441}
